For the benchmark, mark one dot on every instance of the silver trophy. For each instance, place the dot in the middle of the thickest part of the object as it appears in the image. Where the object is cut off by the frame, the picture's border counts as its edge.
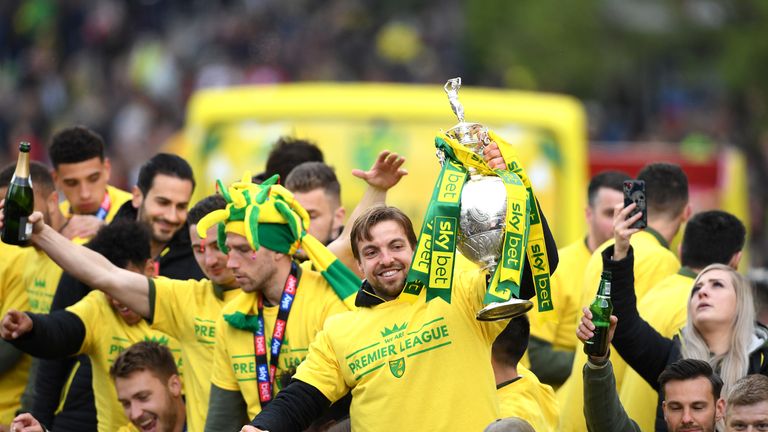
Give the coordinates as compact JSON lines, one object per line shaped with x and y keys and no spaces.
{"x":483,"y":209}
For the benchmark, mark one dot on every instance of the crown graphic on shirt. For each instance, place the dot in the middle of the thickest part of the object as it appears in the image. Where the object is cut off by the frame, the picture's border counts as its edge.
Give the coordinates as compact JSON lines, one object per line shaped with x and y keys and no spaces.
{"x":162,"y":340}
{"x":395,"y":329}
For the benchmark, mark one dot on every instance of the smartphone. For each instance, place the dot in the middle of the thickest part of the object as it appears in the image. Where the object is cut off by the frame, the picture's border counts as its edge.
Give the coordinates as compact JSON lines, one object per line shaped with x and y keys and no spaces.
{"x":634,"y":192}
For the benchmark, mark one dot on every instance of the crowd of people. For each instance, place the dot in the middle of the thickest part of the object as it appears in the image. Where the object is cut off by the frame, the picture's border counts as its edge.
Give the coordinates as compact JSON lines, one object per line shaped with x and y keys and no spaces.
{"x":263,"y":307}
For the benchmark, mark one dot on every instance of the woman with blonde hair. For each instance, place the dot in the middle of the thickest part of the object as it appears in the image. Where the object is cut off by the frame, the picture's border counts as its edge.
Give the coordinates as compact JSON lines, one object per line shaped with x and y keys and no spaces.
{"x":720,"y":329}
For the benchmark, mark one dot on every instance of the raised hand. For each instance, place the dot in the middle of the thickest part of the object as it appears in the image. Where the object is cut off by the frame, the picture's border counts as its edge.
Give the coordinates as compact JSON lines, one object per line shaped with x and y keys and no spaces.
{"x":15,"y":324}
{"x":492,"y":156}
{"x":385,"y":172}
{"x":26,"y":423}
{"x":83,"y":226}
{"x":586,"y":328}
{"x":622,"y":230}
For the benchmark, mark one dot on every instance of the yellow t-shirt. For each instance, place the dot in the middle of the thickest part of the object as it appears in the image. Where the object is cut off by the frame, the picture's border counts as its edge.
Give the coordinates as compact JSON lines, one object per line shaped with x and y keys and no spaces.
{"x":234,"y":362}
{"x":188,"y":311}
{"x":567,"y":284}
{"x":410,"y":365}
{"x":653,"y":262}
{"x":665,"y":308}
{"x":12,"y":296}
{"x":106,"y":336}
{"x":530,"y":400}
{"x":41,"y":277}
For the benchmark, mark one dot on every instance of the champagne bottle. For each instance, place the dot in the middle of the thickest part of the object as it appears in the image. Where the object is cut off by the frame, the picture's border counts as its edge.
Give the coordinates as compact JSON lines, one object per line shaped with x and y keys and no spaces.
{"x":601,"y":308}
{"x":19,"y":202}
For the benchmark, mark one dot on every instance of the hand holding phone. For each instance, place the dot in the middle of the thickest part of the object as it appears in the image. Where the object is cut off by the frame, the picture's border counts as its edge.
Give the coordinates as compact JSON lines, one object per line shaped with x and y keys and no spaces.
{"x":634,"y":192}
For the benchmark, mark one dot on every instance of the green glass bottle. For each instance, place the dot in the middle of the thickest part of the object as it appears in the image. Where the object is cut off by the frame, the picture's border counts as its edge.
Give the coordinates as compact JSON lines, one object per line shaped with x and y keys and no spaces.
{"x":601,"y":308}
{"x":19,"y":202}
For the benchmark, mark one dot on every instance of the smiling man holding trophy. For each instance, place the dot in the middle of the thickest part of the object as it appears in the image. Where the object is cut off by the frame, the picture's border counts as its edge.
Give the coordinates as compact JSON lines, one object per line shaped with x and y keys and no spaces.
{"x":413,"y":354}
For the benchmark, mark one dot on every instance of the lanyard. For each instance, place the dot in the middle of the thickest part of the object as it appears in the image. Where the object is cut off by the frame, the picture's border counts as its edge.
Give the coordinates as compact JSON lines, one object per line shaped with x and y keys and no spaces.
{"x":106,"y":204}
{"x":266,"y":375}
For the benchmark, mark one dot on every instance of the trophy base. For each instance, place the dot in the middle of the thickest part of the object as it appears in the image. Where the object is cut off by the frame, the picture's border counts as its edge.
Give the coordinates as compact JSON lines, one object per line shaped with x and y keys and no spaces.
{"x":503,"y":310}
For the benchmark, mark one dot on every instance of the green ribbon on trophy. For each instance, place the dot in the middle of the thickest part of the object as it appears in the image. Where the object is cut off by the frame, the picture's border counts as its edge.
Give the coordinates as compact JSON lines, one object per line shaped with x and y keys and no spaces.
{"x":433,"y":262}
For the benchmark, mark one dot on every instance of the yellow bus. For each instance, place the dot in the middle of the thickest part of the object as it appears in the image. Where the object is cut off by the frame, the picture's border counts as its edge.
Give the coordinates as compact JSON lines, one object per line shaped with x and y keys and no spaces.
{"x":231,"y":130}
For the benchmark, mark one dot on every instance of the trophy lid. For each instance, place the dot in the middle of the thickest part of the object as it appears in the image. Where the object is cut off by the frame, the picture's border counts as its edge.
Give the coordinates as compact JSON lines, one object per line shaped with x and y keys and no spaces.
{"x":466,"y":133}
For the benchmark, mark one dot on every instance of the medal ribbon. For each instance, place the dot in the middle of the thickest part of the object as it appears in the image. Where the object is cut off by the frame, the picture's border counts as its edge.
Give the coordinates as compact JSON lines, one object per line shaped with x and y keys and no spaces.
{"x":265,"y":375}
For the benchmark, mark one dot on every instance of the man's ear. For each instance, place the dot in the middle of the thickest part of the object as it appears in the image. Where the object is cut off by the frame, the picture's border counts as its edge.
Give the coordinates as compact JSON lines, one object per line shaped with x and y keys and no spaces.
{"x":52,"y":201}
{"x":149,"y":268}
{"x":720,"y":409}
{"x":137,"y":197}
{"x":735,"y":260}
{"x":338,"y":218}
{"x":174,"y":385}
{"x":107,"y":167}
{"x":687,"y":212}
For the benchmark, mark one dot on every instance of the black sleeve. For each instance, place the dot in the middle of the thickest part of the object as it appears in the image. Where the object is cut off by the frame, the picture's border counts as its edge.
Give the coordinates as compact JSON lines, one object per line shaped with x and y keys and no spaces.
{"x":642,"y":347}
{"x":52,"y":375}
{"x":227,"y":410}
{"x":294,"y":408}
{"x":551,"y":366}
{"x":9,"y":356}
{"x":58,"y":334}
{"x":527,"y":287}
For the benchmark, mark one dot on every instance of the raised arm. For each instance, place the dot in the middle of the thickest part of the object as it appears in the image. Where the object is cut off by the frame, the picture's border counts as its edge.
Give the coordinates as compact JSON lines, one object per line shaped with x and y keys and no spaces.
{"x":642,"y":347}
{"x":385,"y":173}
{"x":89,"y":267}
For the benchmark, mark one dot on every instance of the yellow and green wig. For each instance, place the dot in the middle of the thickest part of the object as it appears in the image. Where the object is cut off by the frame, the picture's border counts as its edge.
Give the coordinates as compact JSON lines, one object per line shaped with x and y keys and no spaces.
{"x":268,"y":215}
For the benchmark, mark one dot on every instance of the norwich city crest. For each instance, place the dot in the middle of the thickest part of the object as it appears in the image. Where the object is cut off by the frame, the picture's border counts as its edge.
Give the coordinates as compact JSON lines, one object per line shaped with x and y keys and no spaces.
{"x":397,"y":367}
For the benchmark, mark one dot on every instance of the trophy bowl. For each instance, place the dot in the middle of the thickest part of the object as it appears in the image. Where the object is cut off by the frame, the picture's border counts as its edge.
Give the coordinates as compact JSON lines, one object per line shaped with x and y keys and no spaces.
{"x":482,"y":219}
{"x":481,"y":233}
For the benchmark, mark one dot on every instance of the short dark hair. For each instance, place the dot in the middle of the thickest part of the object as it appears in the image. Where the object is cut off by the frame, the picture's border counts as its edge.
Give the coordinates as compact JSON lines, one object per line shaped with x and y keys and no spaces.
{"x":75,"y":144}
{"x":511,"y":343}
{"x":145,"y":355}
{"x":361,"y":229}
{"x":205,"y":206}
{"x":666,"y":188}
{"x":711,"y":237}
{"x":309,"y":176}
{"x":165,"y":164}
{"x":613,"y":180}
{"x":688,"y":369}
{"x":123,"y":242}
{"x":40,"y":174}
{"x":287,"y":153}
{"x":750,"y":390}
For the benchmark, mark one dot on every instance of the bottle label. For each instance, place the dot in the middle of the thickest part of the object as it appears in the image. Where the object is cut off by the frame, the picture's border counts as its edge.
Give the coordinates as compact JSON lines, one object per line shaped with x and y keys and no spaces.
{"x":26,"y":233}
